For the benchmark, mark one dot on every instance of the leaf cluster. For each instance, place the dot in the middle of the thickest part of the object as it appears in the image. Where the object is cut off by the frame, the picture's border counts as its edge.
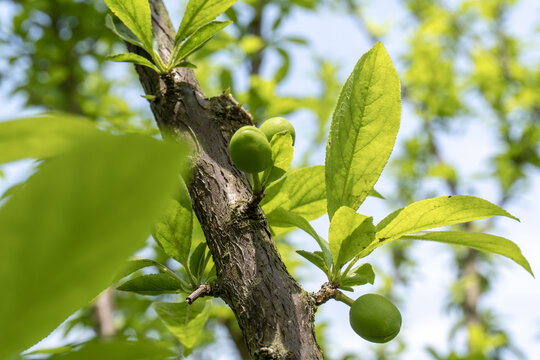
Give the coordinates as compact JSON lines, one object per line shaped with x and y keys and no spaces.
{"x":197,"y":27}
{"x":362,"y":134}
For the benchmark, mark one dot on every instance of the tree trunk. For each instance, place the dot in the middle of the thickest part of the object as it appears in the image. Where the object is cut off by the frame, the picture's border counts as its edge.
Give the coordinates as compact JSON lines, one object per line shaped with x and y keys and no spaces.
{"x":275,"y":314}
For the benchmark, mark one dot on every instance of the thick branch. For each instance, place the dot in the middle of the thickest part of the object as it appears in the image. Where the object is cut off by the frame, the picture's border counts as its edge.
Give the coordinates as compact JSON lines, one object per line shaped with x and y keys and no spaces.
{"x":274,"y":312}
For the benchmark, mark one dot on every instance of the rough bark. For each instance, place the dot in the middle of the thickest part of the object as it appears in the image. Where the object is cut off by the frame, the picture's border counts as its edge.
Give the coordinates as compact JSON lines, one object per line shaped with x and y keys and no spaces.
{"x":274,"y":313}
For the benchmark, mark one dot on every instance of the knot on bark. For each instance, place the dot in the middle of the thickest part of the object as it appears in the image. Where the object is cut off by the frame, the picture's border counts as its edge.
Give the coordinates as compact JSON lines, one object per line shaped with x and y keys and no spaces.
{"x":247,"y":211}
{"x":229,"y":114}
{"x":328,"y":291}
{"x":269,"y":353}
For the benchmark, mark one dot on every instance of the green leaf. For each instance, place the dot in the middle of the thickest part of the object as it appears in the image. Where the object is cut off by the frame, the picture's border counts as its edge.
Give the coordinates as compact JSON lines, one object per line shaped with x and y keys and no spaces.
{"x":283,"y":218}
{"x":349,"y":234}
{"x":479,"y":241}
{"x":118,"y":350}
{"x":282,"y":155}
{"x":363,"y":130}
{"x":42,"y":136}
{"x":50,"y":351}
{"x":13,"y":189}
{"x":197,"y":235}
{"x":197,"y":260}
{"x":360,"y":276}
{"x":283,"y":70}
{"x":67,"y":233}
{"x":122,"y":31}
{"x":135,"y":14}
{"x":437,"y":212}
{"x":133,"y":58}
{"x":198,"y":39}
{"x":140,"y":263}
{"x":153,"y":284}
{"x":185,"y":64}
{"x":375,"y":193}
{"x":199,"y":13}
{"x":316,"y":258}
{"x":185,"y":321}
{"x":174,"y":230}
{"x":301,"y":192}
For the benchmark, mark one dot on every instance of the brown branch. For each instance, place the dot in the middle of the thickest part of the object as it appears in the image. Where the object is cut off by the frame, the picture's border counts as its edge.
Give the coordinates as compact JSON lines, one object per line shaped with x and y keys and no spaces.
{"x":201,"y":291}
{"x":275,"y":314}
{"x":328,"y":291}
{"x":255,"y":28}
{"x":103,"y":314}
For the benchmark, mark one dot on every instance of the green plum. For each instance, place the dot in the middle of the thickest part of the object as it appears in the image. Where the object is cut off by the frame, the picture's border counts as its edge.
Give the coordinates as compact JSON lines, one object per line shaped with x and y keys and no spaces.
{"x":276,"y":125}
{"x":375,"y":318}
{"x":250,"y":150}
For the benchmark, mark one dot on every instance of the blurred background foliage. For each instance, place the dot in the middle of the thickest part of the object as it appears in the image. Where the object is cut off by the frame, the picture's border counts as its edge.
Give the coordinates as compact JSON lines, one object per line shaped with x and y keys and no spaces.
{"x":459,"y":65}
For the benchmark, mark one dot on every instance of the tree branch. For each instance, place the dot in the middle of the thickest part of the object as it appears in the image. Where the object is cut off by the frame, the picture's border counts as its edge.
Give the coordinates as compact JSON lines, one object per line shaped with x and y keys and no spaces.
{"x":328,"y":291}
{"x":274,"y":313}
{"x":201,"y":291}
{"x":103,"y":313}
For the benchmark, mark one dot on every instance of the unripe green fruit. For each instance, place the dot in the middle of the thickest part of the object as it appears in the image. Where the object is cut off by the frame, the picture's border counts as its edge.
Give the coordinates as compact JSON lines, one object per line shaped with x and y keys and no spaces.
{"x":250,"y":150}
{"x":276,"y":125}
{"x":375,"y":318}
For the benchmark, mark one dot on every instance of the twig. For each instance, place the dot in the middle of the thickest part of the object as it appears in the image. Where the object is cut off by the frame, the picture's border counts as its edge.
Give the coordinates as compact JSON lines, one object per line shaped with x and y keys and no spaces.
{"x":328,"y":291}
{"x":201,"y":291}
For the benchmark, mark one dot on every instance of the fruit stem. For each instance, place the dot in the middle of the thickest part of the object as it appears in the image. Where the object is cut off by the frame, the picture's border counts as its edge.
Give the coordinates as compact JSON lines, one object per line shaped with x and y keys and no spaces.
{"x":344,"y":298}
{"x":257,"y":187}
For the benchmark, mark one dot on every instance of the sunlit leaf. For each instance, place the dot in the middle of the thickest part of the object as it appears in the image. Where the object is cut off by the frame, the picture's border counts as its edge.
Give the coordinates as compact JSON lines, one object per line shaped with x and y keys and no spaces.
{"x":199,"y":13}
{"x":135,"y":14}
{"x":300,"y":191}
{"x":437,"y":212}
{"x":134,"y":59}
{"x":122,"y":31}
{"x":363,"y":130}
{"x":282,"y":155}
{"x":376,"y":194}
{"x":479,"y":241}
{"x":198,"y":39}
{"x":359,"y":276}
{"x":349,"y":234}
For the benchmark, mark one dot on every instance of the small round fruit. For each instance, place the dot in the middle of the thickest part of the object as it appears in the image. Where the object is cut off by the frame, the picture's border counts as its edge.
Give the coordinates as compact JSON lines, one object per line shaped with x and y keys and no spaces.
{"x":375,"y":318}
{"x":276,"y":125}
{"x":250,"y":150}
